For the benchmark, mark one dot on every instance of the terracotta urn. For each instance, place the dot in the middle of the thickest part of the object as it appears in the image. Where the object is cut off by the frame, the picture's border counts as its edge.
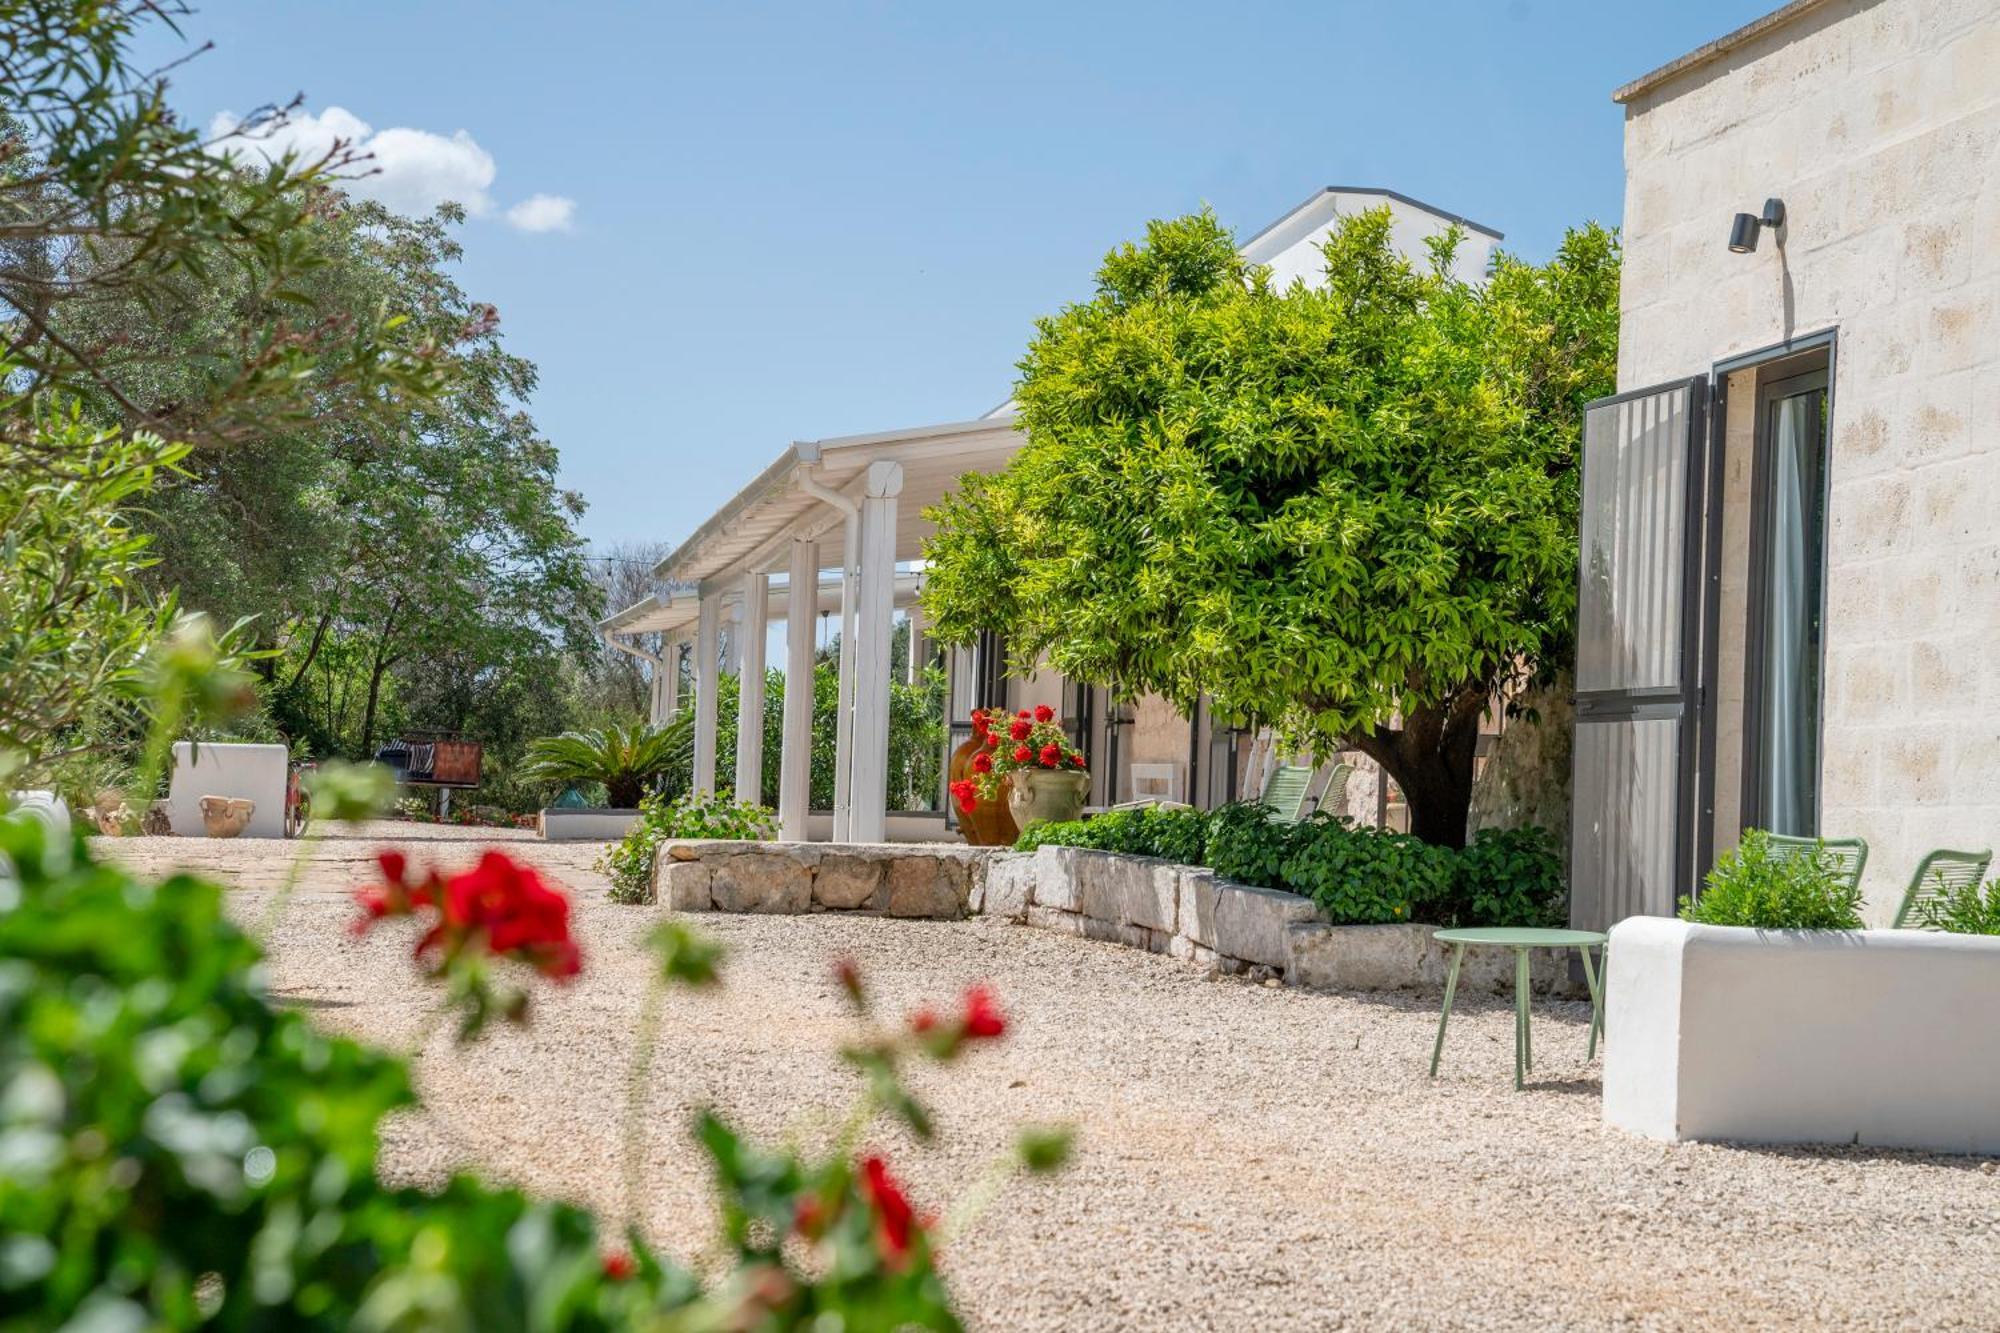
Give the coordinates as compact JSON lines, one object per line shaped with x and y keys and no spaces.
{"x":1046,"y":793}
{"x":988,"y":823}
{"x":226,"y":816}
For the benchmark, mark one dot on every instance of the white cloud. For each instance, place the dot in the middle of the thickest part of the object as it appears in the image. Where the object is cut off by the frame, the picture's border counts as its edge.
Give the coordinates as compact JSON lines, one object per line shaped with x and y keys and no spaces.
{"x":411,"y":171}
{"x":542,"y":212}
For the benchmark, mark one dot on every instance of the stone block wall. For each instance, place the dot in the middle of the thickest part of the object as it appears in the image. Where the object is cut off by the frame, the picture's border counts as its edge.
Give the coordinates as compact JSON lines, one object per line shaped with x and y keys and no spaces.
{"x":936,"y":881}
{"x":1136,"y":901}
{"x":1878,"y":123}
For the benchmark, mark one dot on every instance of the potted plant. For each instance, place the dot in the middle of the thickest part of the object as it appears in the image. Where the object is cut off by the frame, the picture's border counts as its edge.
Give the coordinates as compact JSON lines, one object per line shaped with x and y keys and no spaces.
{"x":985,"y":821}
{"x":1029,"y":758}
{"x":1767,"y":1014}
{"x":624,"y":759}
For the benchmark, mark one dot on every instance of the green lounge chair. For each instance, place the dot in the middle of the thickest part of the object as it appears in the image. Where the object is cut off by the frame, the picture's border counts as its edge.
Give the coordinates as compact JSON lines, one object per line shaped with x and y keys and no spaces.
{"x":1846,"y":856}
{"x":1285,"y":792}
{"x":1938,"y":875}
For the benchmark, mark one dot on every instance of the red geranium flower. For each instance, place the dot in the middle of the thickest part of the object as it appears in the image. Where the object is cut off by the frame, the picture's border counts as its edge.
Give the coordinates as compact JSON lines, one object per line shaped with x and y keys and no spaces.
{"x":1022,"y":713}
{"x":983,"y":1019}
{"x":924,"y":1020}
{"x":395,"y":895}
{"x":1044,"y":713}
{"x":618,"y":1266}
{"x":1019,"y":731}
{"x":982,"y":762}
{"x":965,"y":793}
{"x":507,"y":907}
{"x":1051,"y":755}
{"x":1022,"y":754}
{"x":895,"y":1220}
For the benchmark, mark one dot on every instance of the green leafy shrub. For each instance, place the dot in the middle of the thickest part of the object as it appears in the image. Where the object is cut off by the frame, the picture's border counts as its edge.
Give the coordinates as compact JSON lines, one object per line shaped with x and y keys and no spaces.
{"x":1969,"y":909}
{"x":1750,"y":886}
{"x":1360,"y":876}
{"x":1246,"y":846}
{"x":1508,"y":877}
{"x":1171,"y":834}
{"x":628,"y":863}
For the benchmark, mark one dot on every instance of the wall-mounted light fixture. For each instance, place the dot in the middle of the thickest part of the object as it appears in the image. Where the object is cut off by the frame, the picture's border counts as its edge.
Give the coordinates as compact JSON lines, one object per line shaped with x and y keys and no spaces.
{"x":1743,"y":231}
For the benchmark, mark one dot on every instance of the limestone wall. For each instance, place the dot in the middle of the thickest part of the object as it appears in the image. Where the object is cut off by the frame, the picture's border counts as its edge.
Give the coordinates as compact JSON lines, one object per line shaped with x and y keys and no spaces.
{"x":1878,"y":124}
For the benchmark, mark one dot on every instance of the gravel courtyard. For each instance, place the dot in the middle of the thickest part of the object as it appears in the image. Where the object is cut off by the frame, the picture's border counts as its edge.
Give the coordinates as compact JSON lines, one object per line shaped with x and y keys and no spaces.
{"x":1249,"y":1158}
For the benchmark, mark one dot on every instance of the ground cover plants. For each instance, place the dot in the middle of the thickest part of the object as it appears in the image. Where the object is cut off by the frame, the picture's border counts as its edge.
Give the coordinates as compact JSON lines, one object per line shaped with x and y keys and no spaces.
{"x":1353,"y":874}
{"x":1752,"y":885}
{"x":629,"y":861}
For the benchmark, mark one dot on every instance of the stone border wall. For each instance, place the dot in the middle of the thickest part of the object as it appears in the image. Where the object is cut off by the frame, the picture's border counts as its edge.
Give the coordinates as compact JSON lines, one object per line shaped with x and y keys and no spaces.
{"x":1137,"y":901}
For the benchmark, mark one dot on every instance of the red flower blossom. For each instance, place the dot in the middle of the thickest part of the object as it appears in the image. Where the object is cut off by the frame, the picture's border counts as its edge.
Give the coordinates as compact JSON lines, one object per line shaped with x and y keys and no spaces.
{"x":396,"y":895}
{"x":1022,"y":754}
{"x":1051,"y":755}
{"x":982,"y":762}
{"x":992,"y":741}
{"x":1023,"y":713}
{"x":848,"y":973}
{"x":1076,"y":760}
{"x":618,"y":1266}
{"x":983,"y":1019}
{"x":895,"y":1220}
{"x":965,"y":793}
{"x":1044,"y":713}
{"x":924,"y":1020}
{"x":1019,"y":731}
{"x":506,"y":908}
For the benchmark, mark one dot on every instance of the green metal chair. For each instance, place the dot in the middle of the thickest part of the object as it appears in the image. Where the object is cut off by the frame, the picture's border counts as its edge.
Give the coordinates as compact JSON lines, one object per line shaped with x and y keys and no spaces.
{"x":1285,"y":792}
{"x":1938,"y":875}
{"x":1846,"y":856}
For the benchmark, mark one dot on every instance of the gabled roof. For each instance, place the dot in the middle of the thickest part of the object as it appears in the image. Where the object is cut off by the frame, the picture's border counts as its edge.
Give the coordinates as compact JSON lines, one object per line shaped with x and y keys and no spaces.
{"x":1320,"y":199}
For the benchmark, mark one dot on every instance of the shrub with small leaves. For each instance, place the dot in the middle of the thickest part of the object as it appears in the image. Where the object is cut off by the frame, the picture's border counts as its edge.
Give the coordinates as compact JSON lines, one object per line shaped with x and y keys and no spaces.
{"x":1362,"y":876}
{"x":1508,"y":877}
{"x":628,"y":863}
{"x":1969,"y":909}
{"x":1247,"y":846}
{"x":1172,"y":834}
{"x":1752,"y":886}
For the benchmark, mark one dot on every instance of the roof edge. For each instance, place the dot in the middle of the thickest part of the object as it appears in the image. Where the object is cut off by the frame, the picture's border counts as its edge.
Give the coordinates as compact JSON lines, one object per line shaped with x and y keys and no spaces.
{"x":1397,"y":195}
{"x":1713,"y":51}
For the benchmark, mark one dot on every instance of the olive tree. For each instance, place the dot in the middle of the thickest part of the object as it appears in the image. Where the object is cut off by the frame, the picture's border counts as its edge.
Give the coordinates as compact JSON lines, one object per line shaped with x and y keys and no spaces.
{"x":1345,"y":510}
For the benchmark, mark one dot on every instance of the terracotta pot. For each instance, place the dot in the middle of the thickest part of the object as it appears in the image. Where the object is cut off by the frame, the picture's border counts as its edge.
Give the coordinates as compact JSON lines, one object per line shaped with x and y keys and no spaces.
{"x":226,"y":816}
{"x":1046,"y":793}
{"x":988,"y":823}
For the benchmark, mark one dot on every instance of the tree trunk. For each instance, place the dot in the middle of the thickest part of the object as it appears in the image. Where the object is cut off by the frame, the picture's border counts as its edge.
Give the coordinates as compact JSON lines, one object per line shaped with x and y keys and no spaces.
{"x":312,"y":649}
{"x":375,"y":671}
{"x":1430,"y":757}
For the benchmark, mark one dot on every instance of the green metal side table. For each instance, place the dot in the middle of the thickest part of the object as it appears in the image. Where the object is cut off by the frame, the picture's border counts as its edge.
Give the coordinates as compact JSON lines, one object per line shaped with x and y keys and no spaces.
{"x":1520,"y":940}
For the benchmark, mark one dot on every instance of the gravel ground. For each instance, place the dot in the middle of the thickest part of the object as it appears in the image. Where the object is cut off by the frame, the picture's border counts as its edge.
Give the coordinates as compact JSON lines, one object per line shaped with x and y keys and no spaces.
{"x":1248,"y":1157}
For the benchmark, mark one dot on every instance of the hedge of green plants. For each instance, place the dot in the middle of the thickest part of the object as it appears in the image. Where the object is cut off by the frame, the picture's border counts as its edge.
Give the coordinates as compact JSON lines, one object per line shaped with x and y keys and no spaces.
{"x":1354,"y":875}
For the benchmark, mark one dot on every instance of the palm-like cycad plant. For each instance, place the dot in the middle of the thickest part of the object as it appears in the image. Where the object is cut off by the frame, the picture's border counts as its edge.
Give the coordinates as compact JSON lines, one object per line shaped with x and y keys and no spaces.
{"x":624,"y":757}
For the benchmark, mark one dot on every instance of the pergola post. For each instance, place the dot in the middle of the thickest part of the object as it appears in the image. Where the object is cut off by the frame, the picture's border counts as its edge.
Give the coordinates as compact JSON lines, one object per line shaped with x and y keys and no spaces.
{"x":868,"y":782}
{"x":707,"y":677}
{"x":755,"y":622}
{"x":915,"y":667}
{"x":843,"y":734}
{"x":795,"y":758}
{"x":670,"y":679}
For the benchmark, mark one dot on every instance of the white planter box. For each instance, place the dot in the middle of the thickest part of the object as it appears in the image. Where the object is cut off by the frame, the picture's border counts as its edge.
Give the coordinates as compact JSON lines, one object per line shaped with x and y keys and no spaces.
{"x":1887,"y":1038}
{"x":587,"y":824}
{"x":245,"y":772}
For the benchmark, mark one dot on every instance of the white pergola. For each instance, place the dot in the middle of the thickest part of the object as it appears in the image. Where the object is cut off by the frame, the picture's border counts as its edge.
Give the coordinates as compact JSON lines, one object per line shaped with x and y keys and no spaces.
{"x":872,"y":489}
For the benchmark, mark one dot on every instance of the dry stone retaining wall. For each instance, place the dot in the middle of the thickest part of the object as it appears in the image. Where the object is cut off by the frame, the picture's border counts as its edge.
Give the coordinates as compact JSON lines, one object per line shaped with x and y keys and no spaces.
{"x":1136,"y":901}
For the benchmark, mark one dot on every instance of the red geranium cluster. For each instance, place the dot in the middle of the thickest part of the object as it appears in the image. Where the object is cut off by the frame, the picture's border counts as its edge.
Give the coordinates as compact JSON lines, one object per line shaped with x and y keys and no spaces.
{"x":1035,"y":739}
{"x":979,"y":1019}
{"x":499,"y":908}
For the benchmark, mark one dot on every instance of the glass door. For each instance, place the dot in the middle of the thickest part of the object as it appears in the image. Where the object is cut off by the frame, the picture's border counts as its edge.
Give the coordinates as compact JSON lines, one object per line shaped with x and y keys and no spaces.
{"x":1788,"y":554}
{"x":1636,"y":626}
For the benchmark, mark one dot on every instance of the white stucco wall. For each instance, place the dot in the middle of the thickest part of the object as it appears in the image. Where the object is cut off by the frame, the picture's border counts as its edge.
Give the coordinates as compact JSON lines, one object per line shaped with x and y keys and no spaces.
{"x":246,"y":772}
{"x":1878,"y":124}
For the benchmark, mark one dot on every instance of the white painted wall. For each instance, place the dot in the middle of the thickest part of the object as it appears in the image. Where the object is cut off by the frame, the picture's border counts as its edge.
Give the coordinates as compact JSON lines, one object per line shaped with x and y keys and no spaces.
{"x":1878,"y":123}
{"x":1885,"y":1038}
{"x":245,"y":772}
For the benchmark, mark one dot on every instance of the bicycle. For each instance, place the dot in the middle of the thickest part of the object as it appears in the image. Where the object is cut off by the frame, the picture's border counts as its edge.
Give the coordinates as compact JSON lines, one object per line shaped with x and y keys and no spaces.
{"x":298,"y":798}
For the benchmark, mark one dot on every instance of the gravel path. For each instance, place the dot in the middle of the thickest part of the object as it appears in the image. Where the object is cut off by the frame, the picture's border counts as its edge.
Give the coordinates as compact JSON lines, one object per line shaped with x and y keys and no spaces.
{"x":1249,"y":1158}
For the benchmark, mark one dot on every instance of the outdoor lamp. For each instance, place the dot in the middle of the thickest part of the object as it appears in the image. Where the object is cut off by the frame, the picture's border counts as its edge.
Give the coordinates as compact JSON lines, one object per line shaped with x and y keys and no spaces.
{"x":1743,"y":231}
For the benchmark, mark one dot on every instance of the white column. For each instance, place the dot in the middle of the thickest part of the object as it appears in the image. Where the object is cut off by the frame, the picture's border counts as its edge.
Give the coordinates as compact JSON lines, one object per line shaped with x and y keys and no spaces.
{"x":917,"y":655}
{"x":732,"y":640}
{"x":843,"y":733}
{"x":795,"y":759}
{"x":707,"y":654}
{"x":670,"y":679}
{"x":754,"y":620}
{"x":868,"y":785}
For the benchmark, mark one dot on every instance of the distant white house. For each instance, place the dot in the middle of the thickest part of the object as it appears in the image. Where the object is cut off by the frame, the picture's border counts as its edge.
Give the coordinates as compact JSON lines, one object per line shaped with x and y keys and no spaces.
{"x":853,"y":505}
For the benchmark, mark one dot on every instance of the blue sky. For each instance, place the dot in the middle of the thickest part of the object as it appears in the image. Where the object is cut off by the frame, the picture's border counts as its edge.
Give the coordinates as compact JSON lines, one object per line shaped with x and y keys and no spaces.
{"x":719,"y":228}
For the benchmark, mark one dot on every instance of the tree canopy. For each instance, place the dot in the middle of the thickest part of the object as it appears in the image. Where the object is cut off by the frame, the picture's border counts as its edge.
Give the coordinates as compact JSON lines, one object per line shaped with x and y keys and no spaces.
{"x":1346,"y":510}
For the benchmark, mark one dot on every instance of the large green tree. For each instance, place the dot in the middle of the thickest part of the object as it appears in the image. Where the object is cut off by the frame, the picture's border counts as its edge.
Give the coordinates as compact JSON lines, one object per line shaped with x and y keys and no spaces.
{"x":1347,"y":510}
